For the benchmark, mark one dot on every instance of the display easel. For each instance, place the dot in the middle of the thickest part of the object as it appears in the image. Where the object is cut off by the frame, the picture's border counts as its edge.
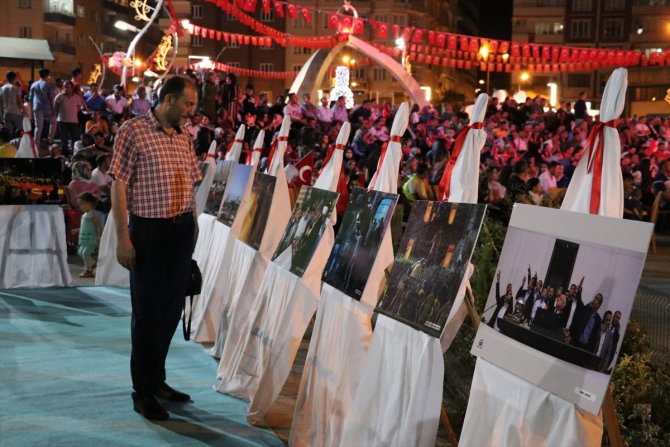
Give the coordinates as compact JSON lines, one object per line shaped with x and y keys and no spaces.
{"x":608,"y":409}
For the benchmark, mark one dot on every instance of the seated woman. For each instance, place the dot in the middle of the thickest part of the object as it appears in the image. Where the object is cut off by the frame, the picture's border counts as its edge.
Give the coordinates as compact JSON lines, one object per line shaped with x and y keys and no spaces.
{"x":81,"y":182}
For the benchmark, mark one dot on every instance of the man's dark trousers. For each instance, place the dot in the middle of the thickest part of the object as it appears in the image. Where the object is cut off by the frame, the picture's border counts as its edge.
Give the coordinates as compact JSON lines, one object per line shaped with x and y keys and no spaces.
{"x":163,"y":250}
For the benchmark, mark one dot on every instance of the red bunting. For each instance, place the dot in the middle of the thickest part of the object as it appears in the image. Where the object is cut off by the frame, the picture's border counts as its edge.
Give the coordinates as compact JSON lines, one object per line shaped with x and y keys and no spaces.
{"x":359,"y":26}
{"x":266,"y":6}
{"x":347,"y":24}
{"x":279,"y":9}
{"x":382,"y":30}
{"x":417,"y":37}
{"x":250,"y":5}
{"x":431,"y":37}
{"x":292,"y":10}
{"x":396,"y":31}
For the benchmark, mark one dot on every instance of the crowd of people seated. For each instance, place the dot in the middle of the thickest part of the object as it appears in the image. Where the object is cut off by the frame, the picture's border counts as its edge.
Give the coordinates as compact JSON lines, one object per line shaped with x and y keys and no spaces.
{"x":530,"y":153}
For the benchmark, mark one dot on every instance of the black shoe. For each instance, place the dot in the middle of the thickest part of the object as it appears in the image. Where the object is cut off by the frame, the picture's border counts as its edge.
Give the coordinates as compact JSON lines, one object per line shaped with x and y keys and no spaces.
{"x":150,"y":409}
{"x":164,"y":391}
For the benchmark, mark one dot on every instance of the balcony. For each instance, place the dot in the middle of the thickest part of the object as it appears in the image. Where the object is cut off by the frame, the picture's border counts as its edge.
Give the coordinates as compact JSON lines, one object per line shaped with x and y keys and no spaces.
{"x":59,"y":18}
{"x":62,"y":47}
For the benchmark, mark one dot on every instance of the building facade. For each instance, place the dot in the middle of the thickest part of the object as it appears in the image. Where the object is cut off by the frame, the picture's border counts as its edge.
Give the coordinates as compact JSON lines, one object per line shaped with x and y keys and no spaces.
{"x":609,"y":24}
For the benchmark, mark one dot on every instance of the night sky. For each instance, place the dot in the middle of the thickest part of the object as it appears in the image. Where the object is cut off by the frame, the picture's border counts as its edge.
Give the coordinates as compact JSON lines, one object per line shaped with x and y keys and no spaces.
{"x":495,"y":19}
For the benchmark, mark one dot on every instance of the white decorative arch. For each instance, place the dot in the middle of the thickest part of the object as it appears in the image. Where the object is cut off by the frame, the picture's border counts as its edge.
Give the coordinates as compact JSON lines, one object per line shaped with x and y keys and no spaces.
{"x":311,"y":75}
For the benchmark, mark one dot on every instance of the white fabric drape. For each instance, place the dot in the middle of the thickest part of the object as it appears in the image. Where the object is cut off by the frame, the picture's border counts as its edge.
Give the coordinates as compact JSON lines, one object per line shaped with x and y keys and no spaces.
{"x":504,"y":410}
{"x":463,"y":188}
{"x":259,"y":353}
{"x":243,"y":261}
{"x":109,"y":272}
{"x":578,"y":195}
{"x":342,"y":331}
{"x":397,"y":402}
{"x":203,"y":188}
{"x":34,"y":252}
{"x":27,"y":147}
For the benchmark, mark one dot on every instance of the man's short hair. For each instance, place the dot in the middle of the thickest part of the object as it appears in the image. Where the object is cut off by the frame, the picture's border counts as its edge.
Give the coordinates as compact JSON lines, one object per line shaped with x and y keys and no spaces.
{"x":532,"y":183}
{"x":76,"y":72}
{"x":553,"y":164}
{"x":173,"y":86}
{"x":11,"y":75}
{"x":44,"y":73}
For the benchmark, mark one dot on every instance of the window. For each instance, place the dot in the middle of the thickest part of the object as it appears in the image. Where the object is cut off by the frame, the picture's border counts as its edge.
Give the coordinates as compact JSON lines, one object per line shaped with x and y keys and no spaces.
{"x":542,"y":28}
{"x":196,"y":11}
{"x":297,"y":68}
{"x":95,"y":16}
{"x":615,"y":5}
{"x":81,"y":11}
{"x":581,"y":5}
{"x":379,"y":74}
{"x":267,"y":66}
{"x":613,"y":28}
{"x":299,"y":22}
{"x":358,"y":73}
{"x":25,"y":32}
{"x":299,"y":50}
{"x":231,"y":18}
{"x":398,"y":19}
{"x":196,"y":40}
{"x":579,"y":80}
{"x":269,"y":16}
{"x":580,"y":29}
{"x":380,"y":17}
{"x":235,"y":44}
{"x":25,"y":4}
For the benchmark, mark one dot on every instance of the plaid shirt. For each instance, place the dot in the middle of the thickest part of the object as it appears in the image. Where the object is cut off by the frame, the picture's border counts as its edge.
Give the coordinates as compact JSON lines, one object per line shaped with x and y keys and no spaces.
{"x":160,"y":170}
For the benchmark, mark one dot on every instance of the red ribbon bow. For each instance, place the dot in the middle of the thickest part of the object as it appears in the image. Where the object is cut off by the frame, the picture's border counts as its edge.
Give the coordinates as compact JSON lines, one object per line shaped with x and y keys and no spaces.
{"x":595,"y":161}
{"x":445,"y":182}
{"x":273,"y":149}
{"x":32,"y":146}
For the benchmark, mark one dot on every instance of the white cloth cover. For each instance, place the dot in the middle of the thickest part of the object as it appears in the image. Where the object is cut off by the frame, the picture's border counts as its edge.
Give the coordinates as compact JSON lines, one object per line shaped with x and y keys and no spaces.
{"x":203,"y":188}
{"x":578,"y":196}
{"x":342,"y":332}
{"x":109,"y":272}
{"x":463,"y":188}
{"x":27,"y":148}
{"x":275,"y":319}
{"x":258,"y":148}
{"x":398,"y":399}
{"x":236,"y":149}
{"x":504,"y":410}
{"x":240,"y":260}
{"x":32,"y":242}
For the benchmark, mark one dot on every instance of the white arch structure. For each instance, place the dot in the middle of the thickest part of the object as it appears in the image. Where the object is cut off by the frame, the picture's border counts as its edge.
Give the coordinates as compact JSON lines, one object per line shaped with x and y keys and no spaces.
{"x":311,"y":75}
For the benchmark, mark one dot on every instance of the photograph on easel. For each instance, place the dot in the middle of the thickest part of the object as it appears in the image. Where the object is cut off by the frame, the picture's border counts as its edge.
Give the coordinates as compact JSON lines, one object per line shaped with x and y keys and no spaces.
{"x":304,"y":229}
{"x":224,"y":169}
{"x":236,"y":185}
{"x":258,"y":210}
{"x":431,"y":263}
{"x":30,"y":181}
{"x":364,"y":223}
{"x":561,"y":300}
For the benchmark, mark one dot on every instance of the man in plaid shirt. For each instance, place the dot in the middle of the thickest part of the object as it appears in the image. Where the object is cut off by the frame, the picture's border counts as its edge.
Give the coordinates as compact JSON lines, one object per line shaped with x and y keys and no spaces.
{"x":155,"y":169}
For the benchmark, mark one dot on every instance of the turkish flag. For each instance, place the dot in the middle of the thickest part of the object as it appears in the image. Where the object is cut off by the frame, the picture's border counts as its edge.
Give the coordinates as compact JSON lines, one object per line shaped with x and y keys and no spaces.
{"x":493,"y":46}
{"x":452,"y":41}
{"x":396,"y":31}
{"x":431,"y":37}
{"x":306,"y":14}
{"x":503,"y":47}
{"x":382,"y":30}
{"x":279,"y":9}
{"x":292,"y":10}
{"x":333,"y":21}
{"x":359,"y":26}
{"x":515,"y":50}
{"x":546,"y":52}
{"x":464,"y":43}
{"x":407,"y":34}
{"x":250,"y":5}
{"x":301,"y":172}
{"x":266,"y":6}
{"x":417,"y":37}
{"x":347,"y":24}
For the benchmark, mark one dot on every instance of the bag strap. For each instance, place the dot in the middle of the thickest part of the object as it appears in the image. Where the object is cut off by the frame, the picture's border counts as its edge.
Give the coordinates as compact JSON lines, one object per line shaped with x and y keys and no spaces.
{"x":186,"y":327}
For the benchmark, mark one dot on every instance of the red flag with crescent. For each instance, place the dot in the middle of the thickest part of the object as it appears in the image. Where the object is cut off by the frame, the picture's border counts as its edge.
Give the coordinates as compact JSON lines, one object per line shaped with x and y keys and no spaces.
{"x":306,"y":14}
{"x":279,"y":9}
{"x":333,"y":21}
{"x":266,"y":6}
{"x":359,"y":26}
{"x":382,"y":30}
{"x":305,"y":168}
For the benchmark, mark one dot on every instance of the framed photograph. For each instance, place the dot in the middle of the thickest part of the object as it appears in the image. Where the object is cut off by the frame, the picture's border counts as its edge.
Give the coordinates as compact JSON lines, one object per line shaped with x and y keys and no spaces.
{"x":233,"y":193}
{"x":431,"y":262}
{"x":258,"y":206}
{"x":364,"y":223}
{"x":224,"y":170}
{"x":31,"y":181}
{"x":305,"y":228}
{"x":561,"y":300}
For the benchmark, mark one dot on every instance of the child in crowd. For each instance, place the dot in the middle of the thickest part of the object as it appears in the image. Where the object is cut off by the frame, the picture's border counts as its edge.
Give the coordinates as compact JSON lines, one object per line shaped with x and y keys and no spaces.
{"x":89,"y":233}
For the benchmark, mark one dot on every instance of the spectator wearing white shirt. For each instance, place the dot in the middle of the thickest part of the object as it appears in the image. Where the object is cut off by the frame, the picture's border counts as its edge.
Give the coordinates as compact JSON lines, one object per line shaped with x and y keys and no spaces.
{"x":140,"y":104}
{"x":293,"y":109}
{"x":340,"y":110}
{"x":100,"y":175}
{"x":117,"y":104}
{"x":324,"y":115}
{"x":547,"y":178}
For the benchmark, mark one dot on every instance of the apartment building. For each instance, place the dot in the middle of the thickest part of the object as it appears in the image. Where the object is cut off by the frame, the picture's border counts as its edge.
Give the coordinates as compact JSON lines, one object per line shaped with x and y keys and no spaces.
{"x":611,"y":24}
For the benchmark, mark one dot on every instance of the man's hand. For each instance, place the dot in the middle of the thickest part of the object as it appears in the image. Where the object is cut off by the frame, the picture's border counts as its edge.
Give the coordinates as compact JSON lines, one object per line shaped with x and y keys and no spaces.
{"x":125,"y":254}
{"x":498,"y":276}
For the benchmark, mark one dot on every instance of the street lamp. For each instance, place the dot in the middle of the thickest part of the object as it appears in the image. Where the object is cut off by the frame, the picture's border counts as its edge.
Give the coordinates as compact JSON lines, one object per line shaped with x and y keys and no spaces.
{"x":523,"y":78}
{"x":125,"y":26}
{"x":484,"y":53}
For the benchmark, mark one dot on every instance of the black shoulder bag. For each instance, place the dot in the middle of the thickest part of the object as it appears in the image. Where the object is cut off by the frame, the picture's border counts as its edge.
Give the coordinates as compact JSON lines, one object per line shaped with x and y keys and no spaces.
{"x":193,"y":288}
